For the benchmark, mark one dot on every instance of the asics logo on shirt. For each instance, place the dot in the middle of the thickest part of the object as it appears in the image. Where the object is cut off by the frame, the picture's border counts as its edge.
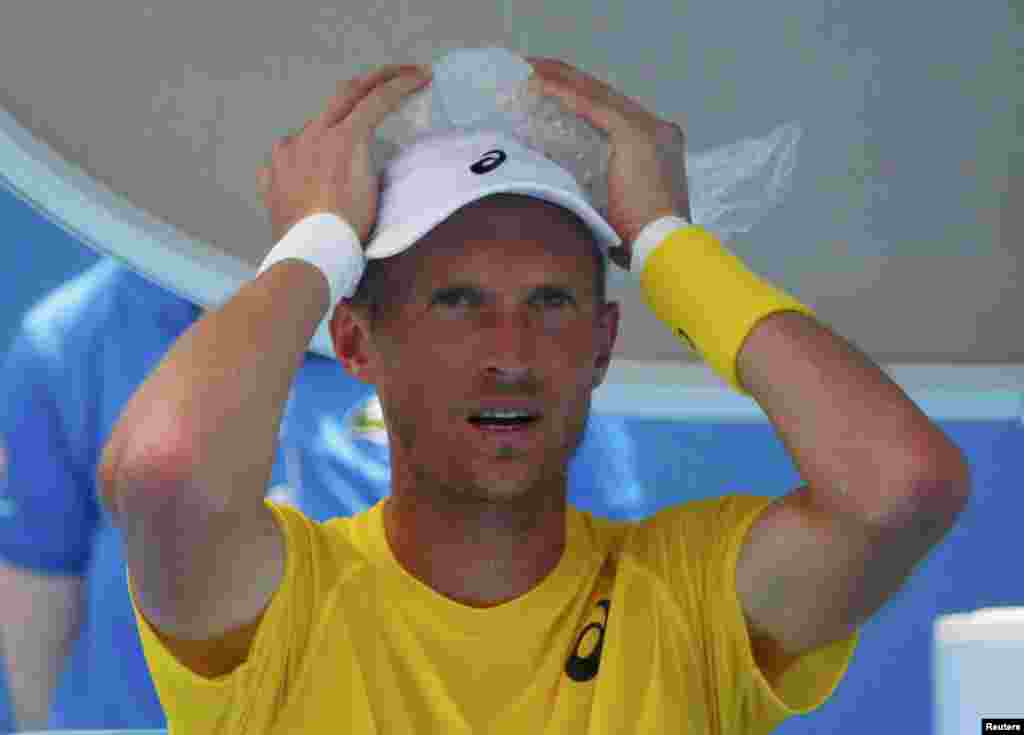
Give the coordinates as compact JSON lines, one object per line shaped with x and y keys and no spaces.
{"x":584,"y":668}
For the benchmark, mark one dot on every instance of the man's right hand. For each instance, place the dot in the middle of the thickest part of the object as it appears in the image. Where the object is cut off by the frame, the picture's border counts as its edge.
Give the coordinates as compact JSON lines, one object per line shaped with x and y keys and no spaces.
{"x":327,"y":167}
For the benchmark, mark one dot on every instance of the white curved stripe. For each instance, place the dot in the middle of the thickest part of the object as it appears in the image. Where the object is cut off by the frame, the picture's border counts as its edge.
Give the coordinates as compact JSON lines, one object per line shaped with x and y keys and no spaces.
{"x":110,"y":224}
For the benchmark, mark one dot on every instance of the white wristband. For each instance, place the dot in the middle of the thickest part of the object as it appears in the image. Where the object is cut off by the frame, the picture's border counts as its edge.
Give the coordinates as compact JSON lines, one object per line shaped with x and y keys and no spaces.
{"x":329,"y":243}
{"x":650,"y":238}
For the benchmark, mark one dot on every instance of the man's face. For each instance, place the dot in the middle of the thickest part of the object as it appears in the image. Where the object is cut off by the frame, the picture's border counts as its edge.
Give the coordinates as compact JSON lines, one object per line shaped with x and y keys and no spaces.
{"x":497,"y":302}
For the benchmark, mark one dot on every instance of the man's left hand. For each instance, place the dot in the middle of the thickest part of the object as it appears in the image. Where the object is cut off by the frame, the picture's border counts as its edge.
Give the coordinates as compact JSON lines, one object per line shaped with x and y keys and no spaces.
{"x":641,"y":185}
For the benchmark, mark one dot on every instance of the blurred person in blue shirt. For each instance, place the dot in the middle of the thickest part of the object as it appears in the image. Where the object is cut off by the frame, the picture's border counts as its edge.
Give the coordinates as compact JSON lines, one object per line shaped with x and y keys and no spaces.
{"x":67,"y":634}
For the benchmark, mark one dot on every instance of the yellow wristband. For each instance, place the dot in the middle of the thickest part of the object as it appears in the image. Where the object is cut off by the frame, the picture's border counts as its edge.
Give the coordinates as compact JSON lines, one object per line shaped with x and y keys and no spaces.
{"x":708,"y":297}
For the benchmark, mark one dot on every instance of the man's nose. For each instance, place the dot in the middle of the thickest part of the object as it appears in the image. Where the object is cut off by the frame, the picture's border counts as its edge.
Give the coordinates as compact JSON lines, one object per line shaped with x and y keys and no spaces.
{"x":510,"y":343}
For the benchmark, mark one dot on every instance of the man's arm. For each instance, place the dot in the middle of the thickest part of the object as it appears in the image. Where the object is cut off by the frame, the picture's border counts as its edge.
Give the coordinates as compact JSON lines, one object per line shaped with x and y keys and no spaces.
{"x":883,"y":486}
{"x":186,"y":468}
{"x":39,"y":618}
{"x":216,"y":399}
{"x":859,"y":441}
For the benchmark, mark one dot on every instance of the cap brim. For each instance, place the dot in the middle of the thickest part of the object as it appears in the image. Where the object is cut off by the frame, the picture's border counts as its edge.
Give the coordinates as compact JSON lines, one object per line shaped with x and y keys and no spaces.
{"x":396,"y":239}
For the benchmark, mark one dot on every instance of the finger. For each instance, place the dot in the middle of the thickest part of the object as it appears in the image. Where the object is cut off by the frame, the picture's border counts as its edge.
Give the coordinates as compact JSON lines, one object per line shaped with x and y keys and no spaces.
{"x":595,"y":110}
{"x":544,"y":63}
{"x":547,"y":69}
{"x":582,"y":94}
{"x":277,"y":150}
{"x":557,"y":75}
{"x":385,"y":99}
{"x":352,"y":91}
{"x":288,"y":137}
{"x":543,"y":68}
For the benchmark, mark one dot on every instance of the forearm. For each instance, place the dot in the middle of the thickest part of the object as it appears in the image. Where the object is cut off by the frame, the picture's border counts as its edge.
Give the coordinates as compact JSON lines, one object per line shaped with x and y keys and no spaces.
{"x":38,"y":624}
{"x":859,"y":441}
{"x":213,"y":405}
{"x":31,"y":674}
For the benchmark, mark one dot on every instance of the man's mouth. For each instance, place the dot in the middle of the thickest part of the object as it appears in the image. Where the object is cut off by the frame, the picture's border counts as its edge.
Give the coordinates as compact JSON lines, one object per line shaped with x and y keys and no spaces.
{"x":503,"y":423}
{"x":506,"y":429}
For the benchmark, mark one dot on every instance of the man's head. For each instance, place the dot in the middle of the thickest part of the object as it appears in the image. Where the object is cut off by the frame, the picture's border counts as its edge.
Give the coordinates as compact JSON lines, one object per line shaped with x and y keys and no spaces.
{"x":505,"y":299}
{"x":372,"y":290}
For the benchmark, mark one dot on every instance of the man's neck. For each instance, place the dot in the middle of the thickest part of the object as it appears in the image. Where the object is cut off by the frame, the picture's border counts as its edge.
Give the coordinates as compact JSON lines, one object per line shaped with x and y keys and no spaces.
{"x":478,"y":555}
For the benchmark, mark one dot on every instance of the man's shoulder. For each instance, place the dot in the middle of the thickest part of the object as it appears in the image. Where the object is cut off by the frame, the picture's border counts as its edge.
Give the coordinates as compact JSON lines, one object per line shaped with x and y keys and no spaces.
{"x":703,"y":520}
{"x":340,"y":541}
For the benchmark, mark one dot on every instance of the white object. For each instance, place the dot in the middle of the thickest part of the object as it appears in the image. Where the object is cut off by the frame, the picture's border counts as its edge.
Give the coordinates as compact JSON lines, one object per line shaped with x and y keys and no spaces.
{"x":730,"y":187}
{"x":476,"y":130}
{"x":978,"y":668}
{"x":328,"y":242}
{"x":430,"y":181}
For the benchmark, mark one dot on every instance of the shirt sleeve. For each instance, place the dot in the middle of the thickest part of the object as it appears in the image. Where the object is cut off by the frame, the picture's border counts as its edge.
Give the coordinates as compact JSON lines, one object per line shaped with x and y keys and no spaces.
{"x":248,"y":698}
{"x":48,"y":510}
{"x":705,"y":539}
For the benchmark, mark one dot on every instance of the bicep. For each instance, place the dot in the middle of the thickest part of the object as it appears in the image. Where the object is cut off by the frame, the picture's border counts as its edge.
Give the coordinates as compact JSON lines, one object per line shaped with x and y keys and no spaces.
{"x":806,"y":578}
{"x":201,"y":579}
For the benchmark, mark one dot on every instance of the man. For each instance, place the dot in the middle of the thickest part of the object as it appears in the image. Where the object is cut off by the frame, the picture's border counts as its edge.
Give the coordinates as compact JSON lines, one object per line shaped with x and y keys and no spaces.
{"x":77,"y":357}
{"x":475,"y":598}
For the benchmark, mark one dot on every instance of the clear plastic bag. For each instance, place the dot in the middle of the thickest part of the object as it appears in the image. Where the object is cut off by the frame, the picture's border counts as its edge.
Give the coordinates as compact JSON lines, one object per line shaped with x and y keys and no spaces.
{"x":731,"y":187}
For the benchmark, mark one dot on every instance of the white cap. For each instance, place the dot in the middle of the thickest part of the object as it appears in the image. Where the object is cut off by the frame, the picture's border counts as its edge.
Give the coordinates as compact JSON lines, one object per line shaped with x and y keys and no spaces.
{"x":440,"y":174}
{"x":431,"y":180}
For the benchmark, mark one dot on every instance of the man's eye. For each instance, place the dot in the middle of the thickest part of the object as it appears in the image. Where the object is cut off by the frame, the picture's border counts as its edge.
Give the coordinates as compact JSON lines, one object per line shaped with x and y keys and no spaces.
{"x":453,"y":297}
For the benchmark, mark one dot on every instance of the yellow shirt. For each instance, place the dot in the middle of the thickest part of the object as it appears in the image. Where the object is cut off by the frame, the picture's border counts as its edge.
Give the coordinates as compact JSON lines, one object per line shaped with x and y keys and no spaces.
{"x":637,"y":629}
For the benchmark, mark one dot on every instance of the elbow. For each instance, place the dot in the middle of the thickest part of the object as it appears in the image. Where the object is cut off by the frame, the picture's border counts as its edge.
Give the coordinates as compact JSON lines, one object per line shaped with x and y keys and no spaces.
{"x":947,"y":486}
{"x":945,"y":478}
{"x":940,"y":490}
{"x":146,"y":463}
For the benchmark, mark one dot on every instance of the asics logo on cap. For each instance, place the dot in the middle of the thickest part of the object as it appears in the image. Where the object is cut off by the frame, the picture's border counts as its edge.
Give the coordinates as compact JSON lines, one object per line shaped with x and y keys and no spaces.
{"x":490,"y":161}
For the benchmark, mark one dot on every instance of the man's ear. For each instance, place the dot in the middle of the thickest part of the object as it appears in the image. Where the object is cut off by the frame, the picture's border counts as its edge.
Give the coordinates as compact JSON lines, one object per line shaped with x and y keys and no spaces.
{"x":350,"y":336}
{"x":609,"y":326}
